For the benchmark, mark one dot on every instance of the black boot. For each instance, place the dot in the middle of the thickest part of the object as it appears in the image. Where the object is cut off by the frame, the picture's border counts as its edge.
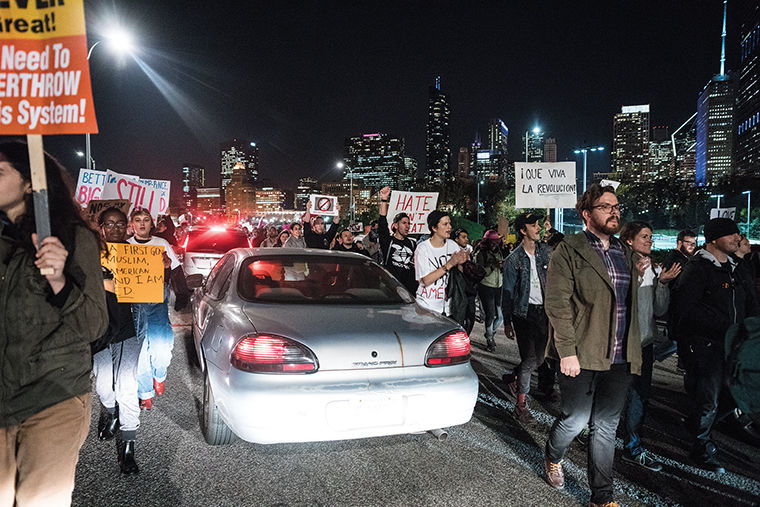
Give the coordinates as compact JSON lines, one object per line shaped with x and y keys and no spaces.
{"x":127,"y":463}
{"x":107,"y":424}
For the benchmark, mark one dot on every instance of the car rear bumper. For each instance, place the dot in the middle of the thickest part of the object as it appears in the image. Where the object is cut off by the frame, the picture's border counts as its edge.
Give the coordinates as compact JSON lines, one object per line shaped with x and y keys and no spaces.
{"x":338,"y":405}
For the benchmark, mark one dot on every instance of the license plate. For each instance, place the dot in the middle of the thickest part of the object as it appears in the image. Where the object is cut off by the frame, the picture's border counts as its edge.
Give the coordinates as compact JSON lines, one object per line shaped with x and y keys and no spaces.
{"x":367,"y":412}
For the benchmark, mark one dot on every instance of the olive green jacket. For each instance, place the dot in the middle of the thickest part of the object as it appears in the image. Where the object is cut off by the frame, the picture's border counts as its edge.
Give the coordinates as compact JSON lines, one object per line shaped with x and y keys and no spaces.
{"x":45,"y":340}
{"x":580,"y":304}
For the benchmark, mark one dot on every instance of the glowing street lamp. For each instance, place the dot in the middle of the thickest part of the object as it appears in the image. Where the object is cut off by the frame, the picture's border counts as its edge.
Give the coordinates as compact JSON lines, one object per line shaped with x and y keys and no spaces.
{"x":718,"y":196}
{"x":120,"y":41}
{"x":585,"y":151}
{"x":80,"y":153}
{"x":477,"y":218}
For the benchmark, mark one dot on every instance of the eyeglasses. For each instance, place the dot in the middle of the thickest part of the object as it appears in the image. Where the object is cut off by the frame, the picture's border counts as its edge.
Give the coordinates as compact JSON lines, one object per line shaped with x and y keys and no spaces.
{"x":111,"y":225}
{"x":608,"y":208}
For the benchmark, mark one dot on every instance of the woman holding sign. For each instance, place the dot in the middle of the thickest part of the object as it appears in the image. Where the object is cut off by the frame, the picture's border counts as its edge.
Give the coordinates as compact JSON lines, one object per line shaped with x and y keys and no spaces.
{"x":115,"y":357}
{"x":46,"y":325}
{"x":152,"y":319}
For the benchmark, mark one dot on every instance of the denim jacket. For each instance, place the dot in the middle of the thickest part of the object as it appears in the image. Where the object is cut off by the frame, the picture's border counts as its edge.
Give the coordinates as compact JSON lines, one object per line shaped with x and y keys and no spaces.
{"x":516,"y":279}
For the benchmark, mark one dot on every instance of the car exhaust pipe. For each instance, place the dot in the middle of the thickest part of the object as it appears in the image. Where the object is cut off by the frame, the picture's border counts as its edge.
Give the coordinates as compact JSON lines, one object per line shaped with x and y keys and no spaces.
{"x":440,"y":434}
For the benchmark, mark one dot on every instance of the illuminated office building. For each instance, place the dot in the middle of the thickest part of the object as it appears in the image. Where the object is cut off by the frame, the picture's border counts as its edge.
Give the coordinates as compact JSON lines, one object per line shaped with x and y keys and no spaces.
{"x":232,"y":152}
{"x":376,"y":160}
{"x":747,"y":149}
{"x":438,"y":136}
{"x":193,"y":178}
{"x":630,"y":143}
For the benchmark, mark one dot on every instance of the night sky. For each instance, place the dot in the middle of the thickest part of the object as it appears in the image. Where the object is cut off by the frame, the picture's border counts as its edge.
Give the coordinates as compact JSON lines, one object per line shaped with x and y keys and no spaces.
{"x":299,"y":77}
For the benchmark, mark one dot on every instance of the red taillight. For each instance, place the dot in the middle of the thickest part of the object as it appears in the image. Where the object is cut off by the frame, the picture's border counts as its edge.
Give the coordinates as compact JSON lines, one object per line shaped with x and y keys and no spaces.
{"x":272,"y":354}
{"x":453,"y":348}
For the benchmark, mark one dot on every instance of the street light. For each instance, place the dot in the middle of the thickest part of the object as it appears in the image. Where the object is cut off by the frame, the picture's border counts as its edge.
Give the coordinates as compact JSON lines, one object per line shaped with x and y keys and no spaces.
{"x":585,"y":151}
{"x":82,"y":154}
{"x":341,"y":165}
{"x":748,"y":192}
{"x":118,"y":40}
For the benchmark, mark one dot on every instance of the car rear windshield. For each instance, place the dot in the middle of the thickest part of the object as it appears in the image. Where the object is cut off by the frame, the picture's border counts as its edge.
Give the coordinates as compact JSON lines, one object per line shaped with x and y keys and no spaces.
{"x":213,"y":241}
{"x":318,"y":280}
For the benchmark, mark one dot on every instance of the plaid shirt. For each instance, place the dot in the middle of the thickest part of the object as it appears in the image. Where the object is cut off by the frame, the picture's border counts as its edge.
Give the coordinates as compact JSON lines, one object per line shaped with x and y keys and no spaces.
{"x":620,"y":274}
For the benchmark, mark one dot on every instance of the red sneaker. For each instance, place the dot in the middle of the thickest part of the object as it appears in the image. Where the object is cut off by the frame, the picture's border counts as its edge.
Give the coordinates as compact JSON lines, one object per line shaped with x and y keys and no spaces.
{"x":158,"y":387}
{"x":146,"y":404}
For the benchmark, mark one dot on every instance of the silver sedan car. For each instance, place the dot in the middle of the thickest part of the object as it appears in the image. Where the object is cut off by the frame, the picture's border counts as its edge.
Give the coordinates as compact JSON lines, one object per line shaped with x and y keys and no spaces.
{"x":308,"y":345}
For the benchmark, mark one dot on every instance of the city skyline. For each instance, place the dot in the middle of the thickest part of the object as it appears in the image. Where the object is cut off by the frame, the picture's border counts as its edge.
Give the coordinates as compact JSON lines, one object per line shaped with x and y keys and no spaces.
{"x":305,"y":79}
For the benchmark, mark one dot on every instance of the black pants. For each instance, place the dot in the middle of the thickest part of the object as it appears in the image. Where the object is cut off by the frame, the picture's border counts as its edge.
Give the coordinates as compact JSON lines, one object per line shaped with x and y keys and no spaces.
{"x":532,"y":335}
{"x":704,"y":380}
{"x":594,"y":398}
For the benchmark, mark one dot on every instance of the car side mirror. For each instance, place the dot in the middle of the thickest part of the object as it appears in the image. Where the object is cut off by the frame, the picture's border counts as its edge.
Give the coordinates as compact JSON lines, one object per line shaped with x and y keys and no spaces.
{"x":196,"y":280}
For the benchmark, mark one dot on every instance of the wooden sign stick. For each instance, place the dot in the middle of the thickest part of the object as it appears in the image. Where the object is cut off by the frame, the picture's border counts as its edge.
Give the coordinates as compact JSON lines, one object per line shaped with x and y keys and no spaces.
{"x":39,"y":191}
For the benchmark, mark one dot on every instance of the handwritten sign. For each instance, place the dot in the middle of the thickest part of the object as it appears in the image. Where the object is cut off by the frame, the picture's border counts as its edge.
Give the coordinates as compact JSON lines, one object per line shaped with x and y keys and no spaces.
{"x":723,"y":213}
{"x":138,"y":272}
{"x":324,"y":205}
{"x":96,"y":207}
{"x":417,"y":205}
{"x":44,"y":72}
{"x":89,"y":185}
{"x":162,"y":187}
{"x":545,"y":185}
{"x":124,"y":186}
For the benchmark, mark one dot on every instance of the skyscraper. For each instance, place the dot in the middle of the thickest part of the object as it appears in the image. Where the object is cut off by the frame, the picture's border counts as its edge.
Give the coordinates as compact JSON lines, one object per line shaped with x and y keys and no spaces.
{"x":533,"y":145}
{"x":550,"y":150}
{"x":232,"y":152}
{"x":377,"y":160}
{"x":661,"y":159}
{"x":193,"y":178}
{"x":306,"y":187}
{"x":410,"y":180}
{"x":463,"y":163}
{"x":684,"y":145}
{"x":715,"y":123}
{"x":438,"y":136}
{"x":630,"y":142}
{"x":498,"y":138}
{"x":240,"y":194}
{"x":747,"y":154}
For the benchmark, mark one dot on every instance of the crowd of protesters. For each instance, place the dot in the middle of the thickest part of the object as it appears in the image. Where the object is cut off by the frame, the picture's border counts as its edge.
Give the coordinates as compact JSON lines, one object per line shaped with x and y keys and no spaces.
{"x":583,"y":310}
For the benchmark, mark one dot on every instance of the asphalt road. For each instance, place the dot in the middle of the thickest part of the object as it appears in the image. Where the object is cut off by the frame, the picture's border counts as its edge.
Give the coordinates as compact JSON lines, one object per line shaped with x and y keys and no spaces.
{"x":492,"y":460}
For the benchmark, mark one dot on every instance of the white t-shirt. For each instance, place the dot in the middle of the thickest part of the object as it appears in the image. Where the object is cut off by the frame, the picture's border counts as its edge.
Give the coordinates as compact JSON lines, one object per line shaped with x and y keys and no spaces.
{"x":535,"y":297}
{"x":157,"y":241}
{"x":426,"y":260}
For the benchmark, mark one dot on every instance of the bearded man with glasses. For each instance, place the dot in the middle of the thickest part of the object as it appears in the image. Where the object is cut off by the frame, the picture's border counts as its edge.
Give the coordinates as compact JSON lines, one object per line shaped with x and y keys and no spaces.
{"x":591,"y":282}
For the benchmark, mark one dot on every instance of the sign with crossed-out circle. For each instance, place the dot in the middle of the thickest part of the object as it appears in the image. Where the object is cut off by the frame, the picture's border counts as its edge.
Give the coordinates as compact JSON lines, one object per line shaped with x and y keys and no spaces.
{"x":324,"y":205}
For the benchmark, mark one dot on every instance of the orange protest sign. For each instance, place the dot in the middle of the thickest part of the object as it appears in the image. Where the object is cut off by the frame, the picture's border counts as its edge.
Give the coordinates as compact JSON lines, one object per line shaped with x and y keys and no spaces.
{"x":138,"y":272}
{"x":44,"y":72}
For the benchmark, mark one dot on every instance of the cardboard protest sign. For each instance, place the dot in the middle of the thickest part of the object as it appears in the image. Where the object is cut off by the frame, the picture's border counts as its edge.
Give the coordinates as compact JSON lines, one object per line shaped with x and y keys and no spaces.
{"x":89,"y":185}
{"x":545,"y":185}
{"x":503,"y":227}
{"x":324,"y":205}
{"x":123,"y":186}
{"x":723,"y":213}
{"x":96,"y":207}
{"x":162,"y":187}
{"x":138,"y":272}
{"x":44,"y":72}
{"x":417,"y":205}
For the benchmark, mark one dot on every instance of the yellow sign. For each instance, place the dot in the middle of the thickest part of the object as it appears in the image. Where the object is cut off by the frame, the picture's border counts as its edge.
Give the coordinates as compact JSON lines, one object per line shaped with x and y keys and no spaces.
{"x":138,"y":272}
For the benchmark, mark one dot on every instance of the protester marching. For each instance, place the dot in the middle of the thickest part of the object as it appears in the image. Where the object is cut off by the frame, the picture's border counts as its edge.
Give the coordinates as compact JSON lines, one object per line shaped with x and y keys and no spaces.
{"x":586,"y":310}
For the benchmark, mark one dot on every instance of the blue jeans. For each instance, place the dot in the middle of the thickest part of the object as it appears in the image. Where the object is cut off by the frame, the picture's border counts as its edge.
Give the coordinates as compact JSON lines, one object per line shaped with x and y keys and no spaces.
{"x":155,"y":331}
{"x":638,"y":399}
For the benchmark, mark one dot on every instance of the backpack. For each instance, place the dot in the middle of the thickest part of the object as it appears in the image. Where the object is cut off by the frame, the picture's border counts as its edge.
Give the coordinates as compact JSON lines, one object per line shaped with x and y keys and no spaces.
{"x":743,"y":364}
